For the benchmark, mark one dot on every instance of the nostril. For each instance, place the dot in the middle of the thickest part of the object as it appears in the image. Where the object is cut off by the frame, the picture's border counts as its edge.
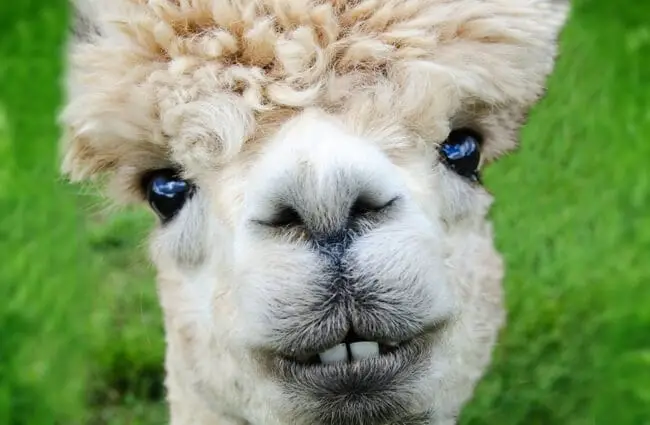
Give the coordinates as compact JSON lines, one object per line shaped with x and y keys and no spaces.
{"x":365,"y":209}
{"x":286,"y":216}
{"x":364,"y":206}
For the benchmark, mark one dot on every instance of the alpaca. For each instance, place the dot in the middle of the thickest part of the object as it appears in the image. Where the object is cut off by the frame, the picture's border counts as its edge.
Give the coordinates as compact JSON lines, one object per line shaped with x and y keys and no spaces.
{"x":323,"y":251}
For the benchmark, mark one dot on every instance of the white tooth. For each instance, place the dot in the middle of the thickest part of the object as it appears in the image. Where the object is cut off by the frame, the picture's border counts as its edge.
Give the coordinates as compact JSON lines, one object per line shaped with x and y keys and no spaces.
{"x":335,"y":354}
{"x":364,"y":349}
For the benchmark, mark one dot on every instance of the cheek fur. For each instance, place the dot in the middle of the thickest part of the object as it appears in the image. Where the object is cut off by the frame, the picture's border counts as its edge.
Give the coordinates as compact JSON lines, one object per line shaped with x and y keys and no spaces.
{"x":186,"y":240}
{"x":459,"y":199}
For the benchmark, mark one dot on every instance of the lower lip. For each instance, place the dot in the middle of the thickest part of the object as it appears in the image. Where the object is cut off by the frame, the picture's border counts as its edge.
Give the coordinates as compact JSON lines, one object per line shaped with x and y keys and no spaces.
{"x":378,"y":389}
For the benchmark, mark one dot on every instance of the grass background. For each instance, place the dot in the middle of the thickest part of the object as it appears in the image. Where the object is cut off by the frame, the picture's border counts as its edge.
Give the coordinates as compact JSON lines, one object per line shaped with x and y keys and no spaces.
{"x":80,"y":328}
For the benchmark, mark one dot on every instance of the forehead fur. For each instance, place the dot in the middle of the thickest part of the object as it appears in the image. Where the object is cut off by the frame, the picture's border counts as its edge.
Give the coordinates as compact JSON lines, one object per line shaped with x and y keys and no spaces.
{"x":153,"y":81}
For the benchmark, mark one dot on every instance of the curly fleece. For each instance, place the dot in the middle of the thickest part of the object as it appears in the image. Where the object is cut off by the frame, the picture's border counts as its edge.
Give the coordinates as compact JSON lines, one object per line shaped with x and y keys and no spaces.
{"x":194,"y":82}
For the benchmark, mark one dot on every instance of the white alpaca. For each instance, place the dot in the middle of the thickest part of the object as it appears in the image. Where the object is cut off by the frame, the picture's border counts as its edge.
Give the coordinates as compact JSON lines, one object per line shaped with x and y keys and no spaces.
{"x":323,"y":253}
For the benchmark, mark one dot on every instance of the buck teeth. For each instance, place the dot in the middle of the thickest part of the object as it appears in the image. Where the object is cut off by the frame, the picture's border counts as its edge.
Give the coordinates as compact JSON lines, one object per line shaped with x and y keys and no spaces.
{"x":354,"y":351}
{"x":364,"y":350}
{"x":334,"y":355}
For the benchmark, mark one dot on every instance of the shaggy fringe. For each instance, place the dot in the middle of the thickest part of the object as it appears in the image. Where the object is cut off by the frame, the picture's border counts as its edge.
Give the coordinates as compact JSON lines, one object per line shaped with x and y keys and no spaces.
{"x":153,"y":81}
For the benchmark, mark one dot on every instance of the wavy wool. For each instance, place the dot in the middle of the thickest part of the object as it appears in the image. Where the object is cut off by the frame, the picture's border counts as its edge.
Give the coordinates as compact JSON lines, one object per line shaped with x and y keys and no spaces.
{"x":148,"y":77}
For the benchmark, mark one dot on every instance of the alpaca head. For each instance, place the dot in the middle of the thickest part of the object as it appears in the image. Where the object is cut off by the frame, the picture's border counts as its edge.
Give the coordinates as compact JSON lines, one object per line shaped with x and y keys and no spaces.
{"x":323,"y":251}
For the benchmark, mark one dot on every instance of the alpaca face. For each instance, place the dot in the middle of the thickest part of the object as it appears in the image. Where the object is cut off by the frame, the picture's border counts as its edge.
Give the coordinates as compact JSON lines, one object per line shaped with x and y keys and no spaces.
{"x":323,"y":251}
{"x":356,"y":273}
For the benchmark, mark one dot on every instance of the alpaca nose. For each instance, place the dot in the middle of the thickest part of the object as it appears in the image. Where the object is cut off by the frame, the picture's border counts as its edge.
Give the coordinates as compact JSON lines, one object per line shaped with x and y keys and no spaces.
{"x":330,"y":221}
{"x":318,"y":178}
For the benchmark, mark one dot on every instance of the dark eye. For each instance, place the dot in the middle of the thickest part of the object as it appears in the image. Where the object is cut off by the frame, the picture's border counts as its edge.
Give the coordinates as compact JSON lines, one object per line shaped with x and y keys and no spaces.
{"x":461,"y":153}
{"x":166,"y":192}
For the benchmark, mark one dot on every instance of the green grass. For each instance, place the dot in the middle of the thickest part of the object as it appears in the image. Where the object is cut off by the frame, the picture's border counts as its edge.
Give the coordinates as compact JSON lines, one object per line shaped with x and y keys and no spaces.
{"x":80,"y":328}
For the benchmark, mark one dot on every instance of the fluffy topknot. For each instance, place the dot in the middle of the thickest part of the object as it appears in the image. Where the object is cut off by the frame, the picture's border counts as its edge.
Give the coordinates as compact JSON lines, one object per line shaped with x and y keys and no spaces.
{"x":153,"y":81}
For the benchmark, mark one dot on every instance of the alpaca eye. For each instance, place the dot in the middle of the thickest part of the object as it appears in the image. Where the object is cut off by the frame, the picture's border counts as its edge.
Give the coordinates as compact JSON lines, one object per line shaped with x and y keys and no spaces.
{"x":166,"y":192}
{"x":461,"y":153}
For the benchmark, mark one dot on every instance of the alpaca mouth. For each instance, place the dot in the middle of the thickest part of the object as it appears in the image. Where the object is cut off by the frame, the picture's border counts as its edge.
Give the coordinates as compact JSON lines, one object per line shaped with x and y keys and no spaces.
{"x":352,"y":349}
{"x":357,"y":350}
{"x":357,"y":376}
